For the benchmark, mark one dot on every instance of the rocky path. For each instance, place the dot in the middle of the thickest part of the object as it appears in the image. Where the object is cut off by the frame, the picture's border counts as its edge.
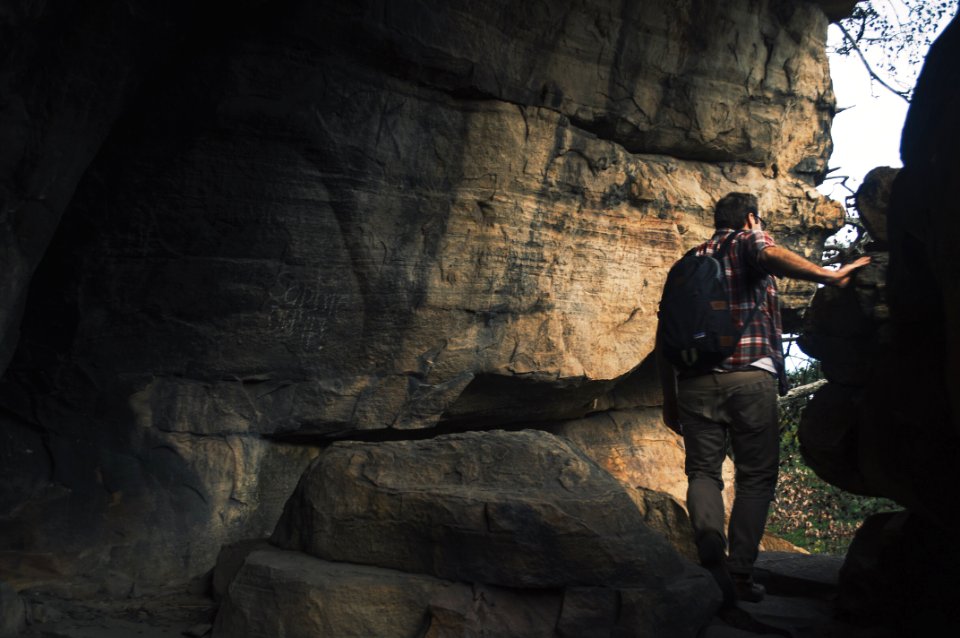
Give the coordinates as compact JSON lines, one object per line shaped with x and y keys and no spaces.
{"x":801,"y":589}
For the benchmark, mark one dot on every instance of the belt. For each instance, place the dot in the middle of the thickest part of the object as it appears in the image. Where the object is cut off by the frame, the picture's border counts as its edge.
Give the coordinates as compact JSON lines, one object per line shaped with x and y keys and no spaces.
{"x":693,"y":374}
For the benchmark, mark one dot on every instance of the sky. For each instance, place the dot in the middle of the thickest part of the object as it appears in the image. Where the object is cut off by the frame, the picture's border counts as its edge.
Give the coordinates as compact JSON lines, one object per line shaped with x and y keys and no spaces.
{"x":866,"y":133}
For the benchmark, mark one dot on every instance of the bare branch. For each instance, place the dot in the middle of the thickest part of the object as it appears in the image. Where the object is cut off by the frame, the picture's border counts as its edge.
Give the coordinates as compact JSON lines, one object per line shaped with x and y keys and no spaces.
{"x":802,"y":392}
{"x":905,"y":95}
{"x":841,"y":180}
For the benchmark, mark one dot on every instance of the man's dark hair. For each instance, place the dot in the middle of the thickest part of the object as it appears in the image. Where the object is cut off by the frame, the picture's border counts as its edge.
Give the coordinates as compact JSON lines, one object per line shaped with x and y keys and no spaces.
{"x":732,"y":210}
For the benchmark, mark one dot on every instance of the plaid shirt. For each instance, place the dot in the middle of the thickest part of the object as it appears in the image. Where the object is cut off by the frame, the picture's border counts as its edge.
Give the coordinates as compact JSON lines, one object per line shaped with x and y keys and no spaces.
{"x":747,"y":280}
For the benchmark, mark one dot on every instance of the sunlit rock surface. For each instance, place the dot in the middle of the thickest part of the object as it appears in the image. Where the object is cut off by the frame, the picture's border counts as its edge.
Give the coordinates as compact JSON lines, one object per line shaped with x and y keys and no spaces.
{"x":234,"y":234}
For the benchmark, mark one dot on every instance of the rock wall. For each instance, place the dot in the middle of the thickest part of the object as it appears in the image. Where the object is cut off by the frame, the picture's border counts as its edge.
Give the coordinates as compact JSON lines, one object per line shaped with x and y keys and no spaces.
{"x":267,"y":226}
{"x":888,"y":422}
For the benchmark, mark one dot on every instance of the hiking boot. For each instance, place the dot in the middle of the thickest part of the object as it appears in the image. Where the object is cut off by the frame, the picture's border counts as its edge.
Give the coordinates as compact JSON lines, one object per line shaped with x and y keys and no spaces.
{"x":747,"y":589}
{"x":710,"y":549}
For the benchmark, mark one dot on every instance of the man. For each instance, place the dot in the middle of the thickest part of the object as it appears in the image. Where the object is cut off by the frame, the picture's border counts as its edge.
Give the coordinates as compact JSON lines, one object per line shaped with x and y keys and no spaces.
{"x":738,"y":397}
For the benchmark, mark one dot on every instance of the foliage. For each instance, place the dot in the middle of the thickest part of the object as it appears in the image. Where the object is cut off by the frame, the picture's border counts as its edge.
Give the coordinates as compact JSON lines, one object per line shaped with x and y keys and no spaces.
{"x":807,"y":511}
{"x":896,"y":34}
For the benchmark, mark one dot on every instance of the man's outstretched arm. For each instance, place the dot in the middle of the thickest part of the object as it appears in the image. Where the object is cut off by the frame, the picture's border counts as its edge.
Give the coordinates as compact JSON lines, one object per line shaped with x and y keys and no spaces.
{"x":781,"y":262}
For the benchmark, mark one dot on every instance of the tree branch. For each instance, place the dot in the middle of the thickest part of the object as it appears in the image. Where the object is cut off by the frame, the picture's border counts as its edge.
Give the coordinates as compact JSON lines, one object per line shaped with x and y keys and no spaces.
{"x":904,"y":95}
{"x":802,"y":391}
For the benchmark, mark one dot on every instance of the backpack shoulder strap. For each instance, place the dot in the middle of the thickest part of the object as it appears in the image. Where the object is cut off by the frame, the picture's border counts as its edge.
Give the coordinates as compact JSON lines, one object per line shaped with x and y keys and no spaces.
{"x":719,"y":252}
{"x":725,"y":246}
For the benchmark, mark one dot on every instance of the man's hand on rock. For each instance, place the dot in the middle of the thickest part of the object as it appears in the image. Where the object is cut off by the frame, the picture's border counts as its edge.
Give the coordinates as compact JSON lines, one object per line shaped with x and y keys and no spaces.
{"x":841,"y":276}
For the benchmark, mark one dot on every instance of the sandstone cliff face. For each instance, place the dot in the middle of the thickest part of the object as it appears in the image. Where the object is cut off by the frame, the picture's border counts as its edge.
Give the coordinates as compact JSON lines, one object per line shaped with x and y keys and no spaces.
{"x":334,"y":219}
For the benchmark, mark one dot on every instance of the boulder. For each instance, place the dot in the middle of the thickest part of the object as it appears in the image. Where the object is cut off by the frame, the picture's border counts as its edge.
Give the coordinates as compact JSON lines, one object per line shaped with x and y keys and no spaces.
{"x":516,"y":509}
{"x":873,"y":198}
{"x":438,"y":529}
{"x":899,"y":574}
{"x":283,"y":593}
{"x":845,"y":328}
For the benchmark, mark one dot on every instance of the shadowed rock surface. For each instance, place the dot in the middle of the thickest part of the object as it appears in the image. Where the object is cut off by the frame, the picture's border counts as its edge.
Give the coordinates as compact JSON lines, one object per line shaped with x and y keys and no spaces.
{"x":561,"y":535}
{"x":280,"y":224}
{"x":887,"y":423}
{"x":236,"y":234}
{"x":872,"y":199}
{"x":280,"y":591}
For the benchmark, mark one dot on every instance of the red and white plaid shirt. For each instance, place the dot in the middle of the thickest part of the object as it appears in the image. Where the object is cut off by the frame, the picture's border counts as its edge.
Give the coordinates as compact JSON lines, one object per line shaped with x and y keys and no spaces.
{"x":747,"y":281}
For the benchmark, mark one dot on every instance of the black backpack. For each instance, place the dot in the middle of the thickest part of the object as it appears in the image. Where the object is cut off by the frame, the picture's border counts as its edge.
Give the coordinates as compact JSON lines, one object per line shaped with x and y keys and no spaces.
{"x":696,"y":330}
